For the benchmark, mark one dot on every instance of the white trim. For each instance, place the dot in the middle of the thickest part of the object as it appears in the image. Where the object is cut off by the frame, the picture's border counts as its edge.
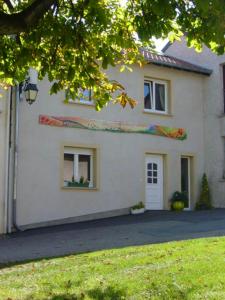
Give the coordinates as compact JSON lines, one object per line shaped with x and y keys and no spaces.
{"x":76,"y":152}
{"x":165,"y":83}
{"x":152,"y":202}
{"x":82,"y":100}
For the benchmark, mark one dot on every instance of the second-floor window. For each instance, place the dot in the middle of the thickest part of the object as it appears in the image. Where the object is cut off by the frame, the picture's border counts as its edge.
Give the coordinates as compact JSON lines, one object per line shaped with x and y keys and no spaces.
{"x":155,"y":96}
{"x":84,"y":97}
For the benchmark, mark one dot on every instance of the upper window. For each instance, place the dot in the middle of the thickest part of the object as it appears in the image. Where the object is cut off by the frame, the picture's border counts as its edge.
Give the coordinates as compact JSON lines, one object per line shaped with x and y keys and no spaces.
{"x":155,"y":96}
{"x":78,"y":167}
{"x":84,"y":97}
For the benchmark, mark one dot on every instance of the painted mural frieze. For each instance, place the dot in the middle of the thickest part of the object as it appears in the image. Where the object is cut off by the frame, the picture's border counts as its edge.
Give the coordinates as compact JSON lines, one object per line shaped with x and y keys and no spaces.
{"x":115,"y":126}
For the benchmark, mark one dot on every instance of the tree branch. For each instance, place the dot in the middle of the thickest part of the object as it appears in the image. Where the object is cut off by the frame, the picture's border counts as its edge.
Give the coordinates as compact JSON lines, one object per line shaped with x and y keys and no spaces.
{"x":24,"y":20}
{"x":9,"y":4}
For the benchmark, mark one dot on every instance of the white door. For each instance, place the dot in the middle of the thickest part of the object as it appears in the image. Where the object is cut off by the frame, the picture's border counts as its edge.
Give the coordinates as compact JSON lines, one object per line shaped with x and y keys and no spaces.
{"x":154,"y":182}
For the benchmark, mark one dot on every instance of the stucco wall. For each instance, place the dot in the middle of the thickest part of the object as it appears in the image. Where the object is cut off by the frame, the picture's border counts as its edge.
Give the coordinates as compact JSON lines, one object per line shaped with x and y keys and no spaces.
{"x":3,"y":132}
{"x":213,"y":115}
{"x":40,"y":197}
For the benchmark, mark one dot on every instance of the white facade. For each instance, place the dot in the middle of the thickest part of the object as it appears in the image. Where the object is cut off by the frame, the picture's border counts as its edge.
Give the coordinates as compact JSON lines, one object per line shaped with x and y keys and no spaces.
{"x":120,"y":157}
{"x":122,"y":167}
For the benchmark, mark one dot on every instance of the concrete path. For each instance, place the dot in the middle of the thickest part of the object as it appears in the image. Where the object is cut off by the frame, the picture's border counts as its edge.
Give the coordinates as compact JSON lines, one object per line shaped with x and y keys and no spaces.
{"x":151,"y":227}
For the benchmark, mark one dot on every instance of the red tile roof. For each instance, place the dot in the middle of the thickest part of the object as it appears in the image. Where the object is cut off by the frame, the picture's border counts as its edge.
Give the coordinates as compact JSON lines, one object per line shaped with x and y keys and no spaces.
{"x":173,"y":62}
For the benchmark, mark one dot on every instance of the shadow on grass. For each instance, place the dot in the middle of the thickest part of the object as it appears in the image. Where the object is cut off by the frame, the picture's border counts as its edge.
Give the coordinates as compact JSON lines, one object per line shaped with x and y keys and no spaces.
{"x":108,"y":293}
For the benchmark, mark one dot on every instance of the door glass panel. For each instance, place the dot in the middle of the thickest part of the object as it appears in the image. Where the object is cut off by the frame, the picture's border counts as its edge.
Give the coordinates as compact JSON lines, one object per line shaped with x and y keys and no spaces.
{"x":150,"y":166}
{"x":152,"y":176}
{"x":185,"y":178}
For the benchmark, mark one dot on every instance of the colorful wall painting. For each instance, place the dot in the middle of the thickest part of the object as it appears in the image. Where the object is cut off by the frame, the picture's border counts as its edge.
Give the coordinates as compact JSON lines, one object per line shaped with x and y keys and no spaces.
{"x":82,"y":123}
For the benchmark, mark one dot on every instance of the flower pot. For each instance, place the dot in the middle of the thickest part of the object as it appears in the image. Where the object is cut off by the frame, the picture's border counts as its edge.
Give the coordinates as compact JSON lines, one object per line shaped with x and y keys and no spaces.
{"x":137,"y":211}
{"x":178,"y":205}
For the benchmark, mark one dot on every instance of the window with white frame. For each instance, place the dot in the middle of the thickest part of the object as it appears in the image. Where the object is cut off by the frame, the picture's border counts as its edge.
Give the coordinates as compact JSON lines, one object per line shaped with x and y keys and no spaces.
{"x":78,"y":167}
{"x":84,"y":97}
{"x":156,"y":96}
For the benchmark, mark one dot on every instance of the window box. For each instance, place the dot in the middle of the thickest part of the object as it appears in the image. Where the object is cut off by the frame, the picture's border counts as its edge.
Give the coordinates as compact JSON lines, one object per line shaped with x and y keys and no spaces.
{"x":77,"y":184}
{"x":156,"y":96}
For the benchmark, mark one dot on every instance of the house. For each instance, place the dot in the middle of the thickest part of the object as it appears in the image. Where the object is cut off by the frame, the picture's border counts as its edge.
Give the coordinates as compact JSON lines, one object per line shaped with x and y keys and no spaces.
{"x":69,"y":163}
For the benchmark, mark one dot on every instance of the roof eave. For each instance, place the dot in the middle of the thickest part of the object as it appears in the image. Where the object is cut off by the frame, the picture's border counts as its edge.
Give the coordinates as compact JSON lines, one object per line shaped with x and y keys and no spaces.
{"x":206,"y":72}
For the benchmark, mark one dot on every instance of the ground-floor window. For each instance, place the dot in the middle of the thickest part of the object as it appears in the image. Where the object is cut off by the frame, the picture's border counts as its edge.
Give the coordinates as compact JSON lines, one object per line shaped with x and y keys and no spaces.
{"x":78,"y":167}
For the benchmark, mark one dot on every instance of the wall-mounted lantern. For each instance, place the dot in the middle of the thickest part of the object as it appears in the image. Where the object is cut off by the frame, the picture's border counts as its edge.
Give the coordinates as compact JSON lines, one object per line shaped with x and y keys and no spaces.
{"x":30,"y":91}
{"x":29,"y":87}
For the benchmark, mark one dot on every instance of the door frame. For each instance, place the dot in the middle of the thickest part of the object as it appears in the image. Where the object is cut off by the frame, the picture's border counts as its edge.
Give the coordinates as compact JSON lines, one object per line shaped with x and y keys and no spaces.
{"x":164,"y":156}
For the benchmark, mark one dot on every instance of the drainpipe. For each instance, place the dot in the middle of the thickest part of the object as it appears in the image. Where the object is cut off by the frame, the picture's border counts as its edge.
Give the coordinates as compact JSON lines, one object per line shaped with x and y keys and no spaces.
{"x":13,"y":154}
{"x":17,"y":99}
{"x":6,"y":198}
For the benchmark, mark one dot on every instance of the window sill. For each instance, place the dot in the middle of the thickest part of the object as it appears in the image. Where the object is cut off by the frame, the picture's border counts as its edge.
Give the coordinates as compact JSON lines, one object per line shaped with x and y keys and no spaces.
{"x":145,"y":111}
{"x":69,"y":188}
{"x":91,"y":104}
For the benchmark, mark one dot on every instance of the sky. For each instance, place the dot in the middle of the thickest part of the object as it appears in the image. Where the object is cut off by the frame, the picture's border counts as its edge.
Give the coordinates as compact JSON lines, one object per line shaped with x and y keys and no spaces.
{"x":160,"y":44}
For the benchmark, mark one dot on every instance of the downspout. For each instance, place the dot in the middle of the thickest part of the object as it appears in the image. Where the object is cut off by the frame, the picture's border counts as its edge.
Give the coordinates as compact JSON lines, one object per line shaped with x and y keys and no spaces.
{"x":7,"y":137}
{"x":14,"y":211}
{"x":12,"y":165}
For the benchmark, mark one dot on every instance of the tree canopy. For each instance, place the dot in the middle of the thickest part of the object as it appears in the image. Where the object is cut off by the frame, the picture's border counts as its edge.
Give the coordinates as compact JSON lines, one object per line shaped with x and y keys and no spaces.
{"x":73,"y":41}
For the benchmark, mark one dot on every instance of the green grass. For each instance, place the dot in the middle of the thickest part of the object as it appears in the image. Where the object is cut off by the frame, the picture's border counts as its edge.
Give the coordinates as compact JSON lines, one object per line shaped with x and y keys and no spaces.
{"x":192,"y":269}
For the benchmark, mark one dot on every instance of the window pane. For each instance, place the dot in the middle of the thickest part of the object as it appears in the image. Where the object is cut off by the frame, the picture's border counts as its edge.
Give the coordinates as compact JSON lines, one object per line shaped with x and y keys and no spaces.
{"x":155,"y":180}
{"x":84,"y":167}
{"x":160,"y":97}
{"x":85,"y":95}
{"x":148,"y":95}
{"x":68,"y":166}
{"x":154,"y":166}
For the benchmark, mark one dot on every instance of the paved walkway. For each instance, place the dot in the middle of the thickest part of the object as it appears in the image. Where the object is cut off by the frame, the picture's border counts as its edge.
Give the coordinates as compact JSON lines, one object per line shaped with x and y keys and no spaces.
{"x":151,"y":227}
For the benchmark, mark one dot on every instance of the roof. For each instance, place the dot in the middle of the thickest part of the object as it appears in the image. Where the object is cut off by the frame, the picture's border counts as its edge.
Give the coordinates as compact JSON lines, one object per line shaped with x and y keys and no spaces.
{"x":173,"y":62}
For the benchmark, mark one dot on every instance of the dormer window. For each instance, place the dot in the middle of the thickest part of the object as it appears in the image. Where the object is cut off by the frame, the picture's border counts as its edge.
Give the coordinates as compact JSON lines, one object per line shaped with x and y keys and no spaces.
{"x":155,"y":96}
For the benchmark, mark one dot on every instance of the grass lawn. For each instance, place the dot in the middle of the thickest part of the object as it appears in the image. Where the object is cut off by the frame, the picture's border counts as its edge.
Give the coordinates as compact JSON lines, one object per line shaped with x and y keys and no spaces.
{"x":192,"y":269}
